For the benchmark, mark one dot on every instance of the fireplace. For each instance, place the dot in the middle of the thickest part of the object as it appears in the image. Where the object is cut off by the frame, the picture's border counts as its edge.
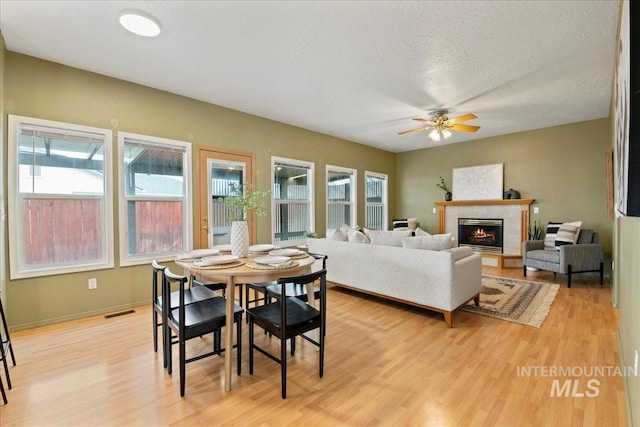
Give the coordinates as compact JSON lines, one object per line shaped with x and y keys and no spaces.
{"x":482,"y":235}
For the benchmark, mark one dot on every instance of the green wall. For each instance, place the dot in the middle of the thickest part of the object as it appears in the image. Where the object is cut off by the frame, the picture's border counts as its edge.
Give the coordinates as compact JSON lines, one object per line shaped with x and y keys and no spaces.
{"x":42,"y":89}
{"x":563,"y":168}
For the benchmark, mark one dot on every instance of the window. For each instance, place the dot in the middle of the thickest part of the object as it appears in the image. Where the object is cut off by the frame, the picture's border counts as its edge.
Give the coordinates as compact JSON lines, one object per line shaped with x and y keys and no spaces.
{"x":60,"y":197}
{"x":376,"y":201}
{"x":292,"y":196}
{"x":155,"y":208}
{"x":341,"y":196}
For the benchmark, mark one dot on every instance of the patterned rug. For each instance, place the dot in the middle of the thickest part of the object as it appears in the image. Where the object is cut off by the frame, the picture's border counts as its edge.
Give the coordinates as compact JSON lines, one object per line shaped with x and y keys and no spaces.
{"x":519,"y":301}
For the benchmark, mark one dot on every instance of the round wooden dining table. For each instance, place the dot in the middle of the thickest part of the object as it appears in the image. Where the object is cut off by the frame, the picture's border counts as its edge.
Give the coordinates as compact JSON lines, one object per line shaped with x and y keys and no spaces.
{"x":241,"y":274}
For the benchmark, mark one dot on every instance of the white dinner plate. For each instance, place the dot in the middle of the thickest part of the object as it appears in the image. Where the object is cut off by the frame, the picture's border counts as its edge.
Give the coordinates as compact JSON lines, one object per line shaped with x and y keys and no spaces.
{"x":223,"y":248}
{"x":219,"y":259}
{"x":272,"y":260}
{"x":261,"y":248}
{"x":199,"y":253}
{"x":285,"y":252}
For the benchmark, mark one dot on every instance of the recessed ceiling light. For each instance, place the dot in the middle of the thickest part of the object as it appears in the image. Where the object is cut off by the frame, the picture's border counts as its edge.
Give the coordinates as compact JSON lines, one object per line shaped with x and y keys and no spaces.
{"x":139,"y":24}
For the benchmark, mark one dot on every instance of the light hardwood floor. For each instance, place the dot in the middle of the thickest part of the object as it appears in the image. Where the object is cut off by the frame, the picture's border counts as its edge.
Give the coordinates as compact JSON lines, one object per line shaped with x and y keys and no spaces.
{"x":386,"y":364}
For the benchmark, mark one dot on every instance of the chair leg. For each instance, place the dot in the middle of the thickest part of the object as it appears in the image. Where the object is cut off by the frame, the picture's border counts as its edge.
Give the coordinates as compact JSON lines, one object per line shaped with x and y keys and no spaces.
{"x":321,"y":342}
{"x":293,"y":346}
{"x":250,"y":345}
{"x":283,"y":365}
{"x":239,"y":345}
{"x":183,"y":370}
{"x":154,"y":318}
{"x":168,"y":351}
{"x":601,"y":273}
{"x":569,"y":276}
{"x":3,"y":355}
{"x":4,"y":394}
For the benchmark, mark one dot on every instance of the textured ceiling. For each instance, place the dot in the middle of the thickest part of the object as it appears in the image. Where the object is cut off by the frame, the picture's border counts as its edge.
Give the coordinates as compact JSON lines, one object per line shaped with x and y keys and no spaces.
{"x":358,"y":70}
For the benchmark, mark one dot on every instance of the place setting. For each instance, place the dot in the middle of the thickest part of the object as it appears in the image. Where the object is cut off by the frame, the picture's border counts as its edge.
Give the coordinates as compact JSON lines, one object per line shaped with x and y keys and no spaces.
{"x":212,"y":258}
{"x":272,"y":262}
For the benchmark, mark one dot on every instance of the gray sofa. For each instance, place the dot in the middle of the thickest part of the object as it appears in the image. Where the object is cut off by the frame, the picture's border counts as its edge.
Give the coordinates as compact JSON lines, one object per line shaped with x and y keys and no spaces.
{"x":584,"y":256}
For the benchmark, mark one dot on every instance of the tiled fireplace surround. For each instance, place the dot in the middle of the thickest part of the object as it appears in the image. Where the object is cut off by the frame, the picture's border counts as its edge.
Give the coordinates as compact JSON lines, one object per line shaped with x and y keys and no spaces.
{"x":514,"y":212}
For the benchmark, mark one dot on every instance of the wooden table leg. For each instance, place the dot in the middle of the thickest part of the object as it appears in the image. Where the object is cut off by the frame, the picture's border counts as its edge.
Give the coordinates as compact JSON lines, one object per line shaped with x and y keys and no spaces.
{"x":228,"y":336}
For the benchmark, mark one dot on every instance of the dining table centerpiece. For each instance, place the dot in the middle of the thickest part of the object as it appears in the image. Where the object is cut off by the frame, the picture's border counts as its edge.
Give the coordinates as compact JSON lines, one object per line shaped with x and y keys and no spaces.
{"x":241,"y":202}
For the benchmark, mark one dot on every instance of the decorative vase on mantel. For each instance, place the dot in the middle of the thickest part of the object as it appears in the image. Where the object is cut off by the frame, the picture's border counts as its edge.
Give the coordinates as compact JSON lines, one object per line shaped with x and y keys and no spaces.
{"x":447,"y":196}
{"x":239,"y":239}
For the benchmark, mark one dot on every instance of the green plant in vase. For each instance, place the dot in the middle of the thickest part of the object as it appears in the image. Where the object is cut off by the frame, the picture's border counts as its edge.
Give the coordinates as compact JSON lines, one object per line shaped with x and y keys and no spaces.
{"x":241,"y":201}
{"x":443,"y":186}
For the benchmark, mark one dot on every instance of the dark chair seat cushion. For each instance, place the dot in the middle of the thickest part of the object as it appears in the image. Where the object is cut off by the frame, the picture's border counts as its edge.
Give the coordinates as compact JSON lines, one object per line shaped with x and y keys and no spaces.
{"x":298,"y":313}
{"x":191,"y":295}
{"x":202,"y":316}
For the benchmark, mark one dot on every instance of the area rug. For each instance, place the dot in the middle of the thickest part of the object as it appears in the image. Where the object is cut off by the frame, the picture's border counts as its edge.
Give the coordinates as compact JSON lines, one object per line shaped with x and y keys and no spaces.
{"x":519,"y":301}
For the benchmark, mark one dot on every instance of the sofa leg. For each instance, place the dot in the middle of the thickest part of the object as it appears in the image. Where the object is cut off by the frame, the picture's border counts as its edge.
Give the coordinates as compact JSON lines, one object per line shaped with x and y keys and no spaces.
{"x":448,"y":319}
{"x":569,"y":276}
{"x":601,"y":273}
{"x":524,"y":270}
{"x":476,"y":300}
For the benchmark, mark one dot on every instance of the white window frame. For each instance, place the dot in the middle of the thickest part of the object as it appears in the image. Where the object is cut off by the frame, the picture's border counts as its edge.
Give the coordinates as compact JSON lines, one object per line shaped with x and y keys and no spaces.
{"x":385,"y":201}
{"x":123,"y":198}
{"x":16,"y":246}
{"x":310,"y":196}
{"x":353,"y":186}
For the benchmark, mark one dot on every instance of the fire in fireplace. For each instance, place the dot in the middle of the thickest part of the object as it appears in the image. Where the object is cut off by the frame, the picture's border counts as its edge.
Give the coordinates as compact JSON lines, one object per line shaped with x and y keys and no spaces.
{"x":482,"y":235}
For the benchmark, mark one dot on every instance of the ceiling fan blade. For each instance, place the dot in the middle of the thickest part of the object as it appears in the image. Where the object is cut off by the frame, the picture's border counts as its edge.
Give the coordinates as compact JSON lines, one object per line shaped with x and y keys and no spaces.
{"x":420,"y":119}
{"x":463,"y":118}
{"x":465,"y":128}
{"x":413,"y":130}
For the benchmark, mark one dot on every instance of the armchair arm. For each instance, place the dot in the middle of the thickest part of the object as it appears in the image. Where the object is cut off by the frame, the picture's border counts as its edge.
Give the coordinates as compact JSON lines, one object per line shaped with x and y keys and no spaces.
{"x":532,"y":245}
{"x":582,"y":257}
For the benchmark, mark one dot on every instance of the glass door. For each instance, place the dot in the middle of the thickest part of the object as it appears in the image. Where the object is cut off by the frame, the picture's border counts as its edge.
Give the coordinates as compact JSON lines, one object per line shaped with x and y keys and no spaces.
{"x":216,"y":170}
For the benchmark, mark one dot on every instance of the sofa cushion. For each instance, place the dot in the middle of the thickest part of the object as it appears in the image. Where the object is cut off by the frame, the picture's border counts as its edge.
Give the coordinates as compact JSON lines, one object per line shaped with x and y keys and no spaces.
{"x":550,"y":236}
{"x":420,"y":232}
{"x":586,"y":236}
{"x":336,"y":234}
{"x":568,"y":233}
{"x":355,"y":236}
{"x":437,"y":242}
{"x":388,"y":238}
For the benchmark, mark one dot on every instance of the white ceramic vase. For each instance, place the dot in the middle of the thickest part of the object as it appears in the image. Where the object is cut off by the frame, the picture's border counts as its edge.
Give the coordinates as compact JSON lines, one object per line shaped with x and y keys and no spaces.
{"x":239,"y":239}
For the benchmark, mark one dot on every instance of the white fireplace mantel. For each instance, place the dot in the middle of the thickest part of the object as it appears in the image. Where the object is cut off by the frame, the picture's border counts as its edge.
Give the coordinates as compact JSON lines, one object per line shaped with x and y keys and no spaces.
{"x":513,"y":212}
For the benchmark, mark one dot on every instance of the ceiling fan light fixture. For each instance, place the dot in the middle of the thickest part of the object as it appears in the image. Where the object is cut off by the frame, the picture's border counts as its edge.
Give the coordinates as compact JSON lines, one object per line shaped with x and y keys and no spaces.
{"x":434,"y":135}
{"x":139,"y":24}
{"x":446,"y":133}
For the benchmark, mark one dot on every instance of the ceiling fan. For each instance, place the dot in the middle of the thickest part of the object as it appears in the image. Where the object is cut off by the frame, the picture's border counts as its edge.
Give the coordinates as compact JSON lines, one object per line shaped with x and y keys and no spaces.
{"x":442,"y":126}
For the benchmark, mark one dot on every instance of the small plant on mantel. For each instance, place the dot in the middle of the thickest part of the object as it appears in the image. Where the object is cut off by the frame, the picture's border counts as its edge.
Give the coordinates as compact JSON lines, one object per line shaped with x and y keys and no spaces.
{"x":443,"y":186}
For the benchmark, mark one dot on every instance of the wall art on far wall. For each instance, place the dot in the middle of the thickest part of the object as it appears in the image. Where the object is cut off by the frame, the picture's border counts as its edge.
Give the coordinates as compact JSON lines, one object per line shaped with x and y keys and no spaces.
{"x":478,"y":182}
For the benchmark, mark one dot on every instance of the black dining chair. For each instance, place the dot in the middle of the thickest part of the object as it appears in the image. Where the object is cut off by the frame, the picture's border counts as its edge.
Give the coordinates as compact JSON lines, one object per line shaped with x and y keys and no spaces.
{"x":5,"y":348}
{"x":263,"y":290}
{"x":192,"y":294}
{"x":287,"y":318}
{"x":197,"y":319}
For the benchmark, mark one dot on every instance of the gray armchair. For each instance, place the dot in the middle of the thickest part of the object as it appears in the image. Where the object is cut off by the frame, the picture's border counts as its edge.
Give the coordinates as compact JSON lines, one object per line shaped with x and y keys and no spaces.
{"x":585,"y":256}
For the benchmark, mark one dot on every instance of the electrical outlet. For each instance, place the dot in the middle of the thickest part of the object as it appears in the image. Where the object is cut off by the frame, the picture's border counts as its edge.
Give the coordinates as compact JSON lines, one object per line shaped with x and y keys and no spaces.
{"x":536,"y":210}
{"x":93,"y":283}
{"x":635,"y":364}
{"x":434,"y":210}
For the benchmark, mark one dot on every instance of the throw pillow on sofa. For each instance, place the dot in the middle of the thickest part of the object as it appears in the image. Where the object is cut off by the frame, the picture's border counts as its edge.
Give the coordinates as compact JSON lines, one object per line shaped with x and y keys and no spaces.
{"x":420,"y":232}
{"x":357,"y":237}
{"x":436,"y":242}
{"x":388,"y":238}
{"x":335,"y":234}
